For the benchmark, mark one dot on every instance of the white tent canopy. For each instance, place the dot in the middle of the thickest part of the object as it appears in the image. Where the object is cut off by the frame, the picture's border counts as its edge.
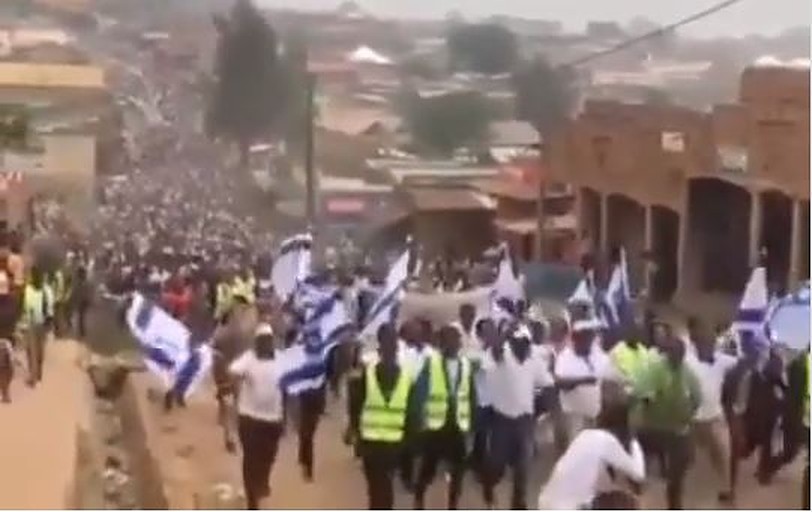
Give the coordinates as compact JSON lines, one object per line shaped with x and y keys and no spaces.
{"x":366,"y":55}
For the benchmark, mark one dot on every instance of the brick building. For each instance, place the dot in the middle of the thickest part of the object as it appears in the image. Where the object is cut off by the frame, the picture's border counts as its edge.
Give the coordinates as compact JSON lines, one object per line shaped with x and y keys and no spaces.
{"x":699,"y":192}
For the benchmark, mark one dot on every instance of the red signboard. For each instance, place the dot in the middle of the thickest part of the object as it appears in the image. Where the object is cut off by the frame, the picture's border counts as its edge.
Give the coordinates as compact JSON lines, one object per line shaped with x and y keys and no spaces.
{"x":345,"y":205}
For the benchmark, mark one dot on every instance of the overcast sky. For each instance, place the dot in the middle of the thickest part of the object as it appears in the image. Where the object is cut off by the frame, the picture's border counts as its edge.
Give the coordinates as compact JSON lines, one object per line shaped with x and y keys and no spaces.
{"x":749,"y":16}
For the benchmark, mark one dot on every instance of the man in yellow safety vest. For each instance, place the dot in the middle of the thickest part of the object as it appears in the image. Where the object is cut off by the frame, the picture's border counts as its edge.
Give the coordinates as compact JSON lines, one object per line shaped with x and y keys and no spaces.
{"x":444,"y":393}
{"x":379,"y":403}
{"x":37,"y":320}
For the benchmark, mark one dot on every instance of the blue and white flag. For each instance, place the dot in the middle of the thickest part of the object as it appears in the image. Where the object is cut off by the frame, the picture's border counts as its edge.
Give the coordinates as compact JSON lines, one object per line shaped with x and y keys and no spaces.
{"x":306,"y":362}
{"x":386,"y":305}
{"x":755,"y":301}
{"x":788,"y":320}
{"x":165,"y":343}
{"x":193,"y":371}
{"x":507,"y":290}
{"x":751,"y":315}
{"x":615,"y":307}
{"x":292,"y":264}
{"x":584,"y":293}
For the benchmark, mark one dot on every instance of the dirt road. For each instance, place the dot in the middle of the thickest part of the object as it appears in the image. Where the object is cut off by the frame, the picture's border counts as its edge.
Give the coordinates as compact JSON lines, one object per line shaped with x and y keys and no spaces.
{"x":193,"y":461}
{"x":38,"y":434}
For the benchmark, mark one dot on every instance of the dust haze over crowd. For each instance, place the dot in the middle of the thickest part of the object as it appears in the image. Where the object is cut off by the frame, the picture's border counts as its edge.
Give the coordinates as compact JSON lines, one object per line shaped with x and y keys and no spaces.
{"x":749,"y":16}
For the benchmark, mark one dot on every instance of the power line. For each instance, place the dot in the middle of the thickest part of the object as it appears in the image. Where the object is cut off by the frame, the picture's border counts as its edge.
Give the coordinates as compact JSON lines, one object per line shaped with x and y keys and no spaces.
{"x":654,"y":33}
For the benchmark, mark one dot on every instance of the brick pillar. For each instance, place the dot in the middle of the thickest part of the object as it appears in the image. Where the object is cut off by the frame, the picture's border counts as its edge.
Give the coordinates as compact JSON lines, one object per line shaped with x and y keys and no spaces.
{"x":648,"y":244}
{"x":754,"y":243}
{"x":795,"y":244}
{"x":604,"y":240}
{"x":682,"y":240}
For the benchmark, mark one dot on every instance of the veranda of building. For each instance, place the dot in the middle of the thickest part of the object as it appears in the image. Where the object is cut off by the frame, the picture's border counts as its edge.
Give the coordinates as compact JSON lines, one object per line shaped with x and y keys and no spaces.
{"x":703,"y":193}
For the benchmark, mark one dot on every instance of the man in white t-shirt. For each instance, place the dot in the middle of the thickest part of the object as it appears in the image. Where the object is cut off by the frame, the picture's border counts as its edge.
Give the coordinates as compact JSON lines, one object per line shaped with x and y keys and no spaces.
{"x":578,"y":372}
{"x":582,"y":473}
{"x":512,"y":377}
{"x":710,"y":367}
{"x":260,"y":407}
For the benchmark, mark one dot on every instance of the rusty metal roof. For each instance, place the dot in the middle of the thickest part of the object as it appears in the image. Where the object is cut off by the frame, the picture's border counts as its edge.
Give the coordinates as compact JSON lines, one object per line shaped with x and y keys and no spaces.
{"x":439,"y":199}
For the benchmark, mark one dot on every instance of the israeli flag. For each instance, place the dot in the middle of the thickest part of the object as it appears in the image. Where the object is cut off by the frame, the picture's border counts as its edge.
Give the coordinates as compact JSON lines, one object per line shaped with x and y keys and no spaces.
{"x":584,"y":293}
{"x":292,"y":264}
{"x":507,"y":290}
{"x":751,"y":315}
{"x":755,"y":301}
{"x":385,"y":307}
{"x":616,"y":300}
{"x":306,"y":362}
{"x":788,"y":320}
{"x":165,"y":343}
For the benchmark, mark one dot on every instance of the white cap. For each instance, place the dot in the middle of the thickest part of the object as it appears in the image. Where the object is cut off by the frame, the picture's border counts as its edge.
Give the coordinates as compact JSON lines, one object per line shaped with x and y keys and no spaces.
{"x":521,"y":331}
{"x":263,"y":329}
{"x":586,"y":324}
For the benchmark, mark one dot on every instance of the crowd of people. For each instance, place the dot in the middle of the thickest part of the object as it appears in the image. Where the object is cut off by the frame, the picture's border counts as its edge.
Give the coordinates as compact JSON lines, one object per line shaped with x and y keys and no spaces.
{"x":469,"y":393}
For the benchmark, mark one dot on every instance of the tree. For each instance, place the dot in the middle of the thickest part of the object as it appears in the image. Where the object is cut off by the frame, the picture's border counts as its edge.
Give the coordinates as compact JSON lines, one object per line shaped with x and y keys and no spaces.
{"x":544,"y":95}
{"x":486,"y":48}
{"x":246,"y":98}
{"x":441,"y":124}
{"x":14,"y":123}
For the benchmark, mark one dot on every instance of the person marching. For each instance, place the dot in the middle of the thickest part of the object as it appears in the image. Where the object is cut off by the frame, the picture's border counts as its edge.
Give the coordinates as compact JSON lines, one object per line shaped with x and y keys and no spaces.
{"x":379,"y":401}
{"x":37,"y":319}
{"x":261,"y":411}
{"x":445,"y":395}
{"x":586,"y":474}
{"x":513,"y":377}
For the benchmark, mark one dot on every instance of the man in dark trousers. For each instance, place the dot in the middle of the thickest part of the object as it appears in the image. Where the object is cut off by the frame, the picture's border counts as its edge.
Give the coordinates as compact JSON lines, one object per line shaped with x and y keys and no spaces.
{"x":444,"y":394}
{"x":380,"y":408}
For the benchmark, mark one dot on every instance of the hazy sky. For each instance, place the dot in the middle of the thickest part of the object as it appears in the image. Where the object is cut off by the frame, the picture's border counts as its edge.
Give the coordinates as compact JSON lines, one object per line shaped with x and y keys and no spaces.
{"x":749,"y":16}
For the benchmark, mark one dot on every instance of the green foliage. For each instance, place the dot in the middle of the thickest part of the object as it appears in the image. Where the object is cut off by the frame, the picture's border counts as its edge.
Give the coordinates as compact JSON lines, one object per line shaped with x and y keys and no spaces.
{"x":544,"y":95}
{"x":486,"y":48}
{"x":14,"y":123}
{"x":247,"y":94}
{"x":293,"y":82}
{"x":444,"y":123}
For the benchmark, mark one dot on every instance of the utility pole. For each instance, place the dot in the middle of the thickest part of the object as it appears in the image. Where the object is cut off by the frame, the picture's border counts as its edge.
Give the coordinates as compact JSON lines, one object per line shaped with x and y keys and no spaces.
{"x":310,"y":172}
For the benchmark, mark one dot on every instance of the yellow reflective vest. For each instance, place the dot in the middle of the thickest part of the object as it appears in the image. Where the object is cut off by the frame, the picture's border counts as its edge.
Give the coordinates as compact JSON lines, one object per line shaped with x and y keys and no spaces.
{"x":384,"y":421}
{"x":630,"y":362}
{"x":38,"y":305}
{"x":60,"y":286}
{"x":224,"y":301}
{"x":244,"y":288}
{"x":438,"y":396}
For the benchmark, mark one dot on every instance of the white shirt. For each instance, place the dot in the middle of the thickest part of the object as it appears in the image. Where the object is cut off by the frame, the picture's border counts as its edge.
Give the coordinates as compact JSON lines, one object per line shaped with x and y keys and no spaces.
{"x":452,"y":368}
{"x":512,"y":384}
{"x":468,"y":339}
{"x":711,"y":376}
{"x":580,"y":474}
{"x":584,"y":400}
{"x":260,"y":395}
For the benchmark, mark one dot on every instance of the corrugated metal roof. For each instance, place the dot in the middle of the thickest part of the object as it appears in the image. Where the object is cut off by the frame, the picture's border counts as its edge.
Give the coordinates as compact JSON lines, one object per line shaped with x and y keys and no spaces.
{"x":439,"y":199}
{"x":20,"y":74}
{"x":501,"y":187}
{"x":513,"y":133}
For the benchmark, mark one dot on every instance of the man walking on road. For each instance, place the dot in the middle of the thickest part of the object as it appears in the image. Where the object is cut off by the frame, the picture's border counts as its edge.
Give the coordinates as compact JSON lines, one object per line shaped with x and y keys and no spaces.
{"x":379,"y":410}
{"x":444,"y":393}
{"x":671,"y":396}
{"x":38,"y":312}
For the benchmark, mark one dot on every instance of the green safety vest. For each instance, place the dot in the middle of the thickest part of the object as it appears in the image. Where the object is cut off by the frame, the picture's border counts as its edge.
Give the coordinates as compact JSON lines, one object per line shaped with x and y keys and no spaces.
{"x":243,"y":288}
{"x":60,"y":286}
{"x":37,"y":305}
{"x":437,"y":403}
{"x":225,"y":299}
{"x":806,"y":395}
{"x":630,"y":361}
{"x":381,"y":420}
